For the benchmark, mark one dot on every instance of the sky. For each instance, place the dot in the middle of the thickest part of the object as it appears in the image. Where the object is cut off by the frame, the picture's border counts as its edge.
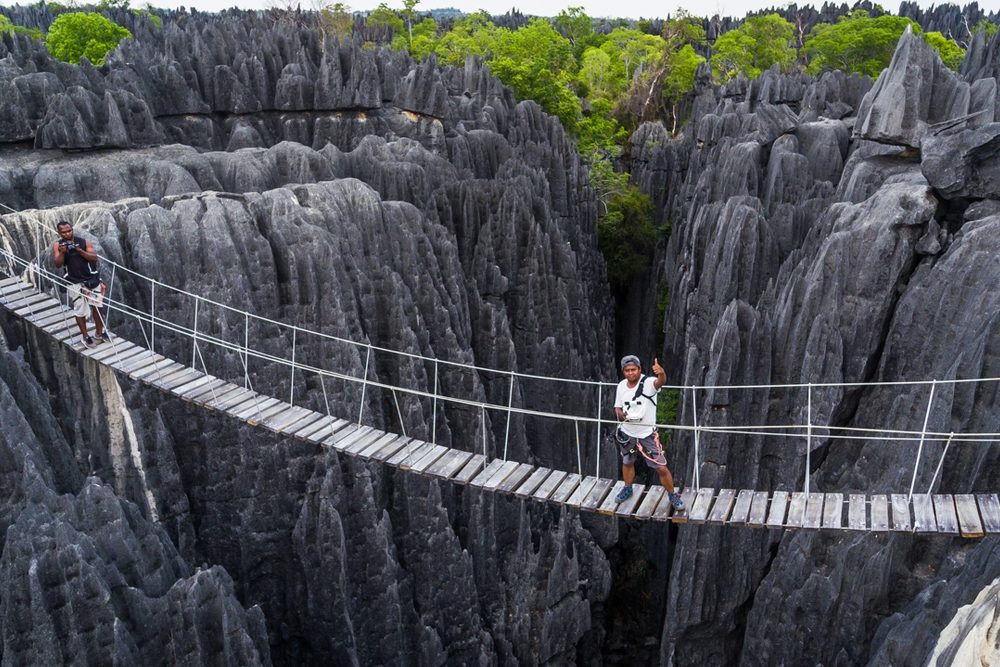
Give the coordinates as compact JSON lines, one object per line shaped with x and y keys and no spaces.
{"x":595,"y":8}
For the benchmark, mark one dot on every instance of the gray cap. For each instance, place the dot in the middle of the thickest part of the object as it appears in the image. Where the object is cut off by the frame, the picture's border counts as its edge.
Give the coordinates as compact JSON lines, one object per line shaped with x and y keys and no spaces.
{"x":630,"y":359}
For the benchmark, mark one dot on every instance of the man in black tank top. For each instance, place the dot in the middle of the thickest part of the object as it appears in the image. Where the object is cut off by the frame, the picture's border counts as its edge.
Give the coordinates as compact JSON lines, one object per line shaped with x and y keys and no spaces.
{"x":78,"y":260}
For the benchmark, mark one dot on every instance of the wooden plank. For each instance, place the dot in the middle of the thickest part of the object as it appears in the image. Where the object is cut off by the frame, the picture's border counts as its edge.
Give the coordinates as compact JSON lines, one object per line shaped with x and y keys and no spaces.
{"x":36,"y":316}
{"x":520,"y":473}
{"x":796,"y":510}
{"x":596,"y":495}
{"x":294,"y":419}
{"x":64,"y":317}
{"x":450,"y":463}
{"x":549,"y":486}
{"x":256,"y":407}
{"x":362,"y":444}
{"x":880,"y":512}
{"x":901,"y":513}
{"x":385,"y":451}
{"x":180,"y":377}
{"x":776,"y":515}
{"x":487,"y":473}
{"x":24,"y":304}
{"x":209,"y":390}
{"x":665,"y":511}
{"x":140,"y":362}
{"x":585,"y":486}
{"x":156,"y":371}
{"x":194,"y":384}
{"x":626,"y":508}
{"x":944,"y":509}
{"x":240,"y":400}
{"x":611,"y":503}
{"x":8,"y":282}
{"x":814,"y":511}
{"x":758,"y":509}
{"x":857,"y":512}
{"x":261,"y":416}
{"x":923,"y":514}
{"x":471,"y":468}
{"x":742,"y":508}
{"x":650,"y":502}
{"x":115,"y":357}
{"x":532,"y":483}
{"x":833,"y":510}
{"x":989,"y":510}
{"x":566,"y":488}
{"x":500,"y":475}
{"x":338,"y":442}
{"x":723,"y":503}
{"x":688,"y":496}
{"x":428,"y":459}
{"x":969,"y":524}
{"x":408,"y":456}
{"x":321,"y":428}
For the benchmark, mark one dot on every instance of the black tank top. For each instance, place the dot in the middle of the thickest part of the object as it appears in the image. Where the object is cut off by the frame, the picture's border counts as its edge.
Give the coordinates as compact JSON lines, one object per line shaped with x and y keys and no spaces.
{"x":78,"y":270}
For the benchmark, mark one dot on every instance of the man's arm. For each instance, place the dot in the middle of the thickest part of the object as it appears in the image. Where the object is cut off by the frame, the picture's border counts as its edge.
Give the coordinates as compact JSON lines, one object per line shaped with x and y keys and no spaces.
{"x":58,"y":256}
{"x":87,"y":251}
{"x":620,"y":414}
{"x":661,"y":375}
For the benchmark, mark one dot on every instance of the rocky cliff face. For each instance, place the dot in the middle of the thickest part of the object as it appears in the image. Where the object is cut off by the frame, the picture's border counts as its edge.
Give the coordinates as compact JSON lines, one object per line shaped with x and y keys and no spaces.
{"x":353,"y":192}
{"x":832,"y":231}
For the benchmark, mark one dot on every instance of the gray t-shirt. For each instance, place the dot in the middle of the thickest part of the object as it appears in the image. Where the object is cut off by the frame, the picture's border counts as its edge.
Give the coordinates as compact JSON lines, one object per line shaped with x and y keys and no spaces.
{"x":643,"y":407}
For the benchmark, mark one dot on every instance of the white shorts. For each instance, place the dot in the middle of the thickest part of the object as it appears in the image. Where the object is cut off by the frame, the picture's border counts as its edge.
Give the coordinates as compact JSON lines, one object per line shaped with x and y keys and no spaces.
{"x":83,"y":298}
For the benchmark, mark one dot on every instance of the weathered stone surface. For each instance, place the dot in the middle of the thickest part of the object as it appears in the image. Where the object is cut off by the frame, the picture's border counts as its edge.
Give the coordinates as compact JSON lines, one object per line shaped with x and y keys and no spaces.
{"x":964,"y":163}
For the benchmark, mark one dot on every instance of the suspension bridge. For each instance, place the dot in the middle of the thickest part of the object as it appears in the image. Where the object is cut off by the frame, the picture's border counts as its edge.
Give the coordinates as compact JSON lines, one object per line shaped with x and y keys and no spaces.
{"x":36,"y":297}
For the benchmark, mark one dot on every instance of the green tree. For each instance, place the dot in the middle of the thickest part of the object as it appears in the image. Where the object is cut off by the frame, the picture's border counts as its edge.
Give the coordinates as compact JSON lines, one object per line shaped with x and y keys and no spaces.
{"x":855,"y":43}
{"x":472,"y":35}
{"x":6,"y":25}
{"x":625,"y":232}
{"x":84,"y":34}
{"x":985,"y":25}
{"x":632,"y":50}
{"x":951,"y":53}
{"x":574,"y":24}
{"x":679,"y":81}
{"x":384,"y":17}
{"x":409,"y":13}
{"x":762,"y":41}
{"x":113,"y":4}
{"x":684,"y":28}
{"x":335,"y":19}
{"x":422,"y":39}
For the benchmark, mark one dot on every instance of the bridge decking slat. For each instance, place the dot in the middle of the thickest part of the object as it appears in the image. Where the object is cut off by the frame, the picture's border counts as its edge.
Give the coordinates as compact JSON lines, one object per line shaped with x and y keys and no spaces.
{"x":688,"y":496}
{"x":66,"y":331}
{"x":116,"y":356}
{"x":650,"y":502}
{"x":361,"y":444}
{"x":857,"y":512}
{"x":226,"y":394}
{"x":532,"y":483}
{"x":487,"y":472}
{"x":665,"y":511}
{"x":549,"y":486}
{"x":989,"y":509}
{"x":796,"y":510}
{"x":585,"y":486}
{"x":969,"y":524}
{"x":408,"y":456}
{"x":880,"y":512}
{"x":202,"y":392}
{"x":776,"y":515}
{"x":702,"y":502}
{"x":813,"y":516}
{"x":323,"y":427}
{"x":296,"y":415}
{"x":470,"y":469}
{"x":900,"y":513}
{"x":138,"y":363}
{"x":25,"y":304}
{"x":274,"y":411}
{"x":758,"y":509}
{"x":450,"y":463}
{"x":628,"y":507}
{"x":7,"y":282}
{"x":64,"y":316}
{"x":610,"y":504}
{"x":723,"y":504}
{"x":500,"y":475}
{"x":240,"y":400}
{"x":833,"y":510}
{"x":155,"y":371}
{"x":566,"y":488}
{"x":521,"y":472}
{"x":165,"y":377}
{"x":178,"y":378}
{"x":385,"y":451}
{"x":196,"y":386}
{"x":428,"y":459}
{"x":10,"y":292}
{"x":255,"y":407}
{"x":300,"y":422}
{"x":346,"y":439}
{"x":50,"y":310}
{"x":597,"y":494}
{"x":742,"y":507}
{"x":923,"y":514}
{"x":944,"y":509}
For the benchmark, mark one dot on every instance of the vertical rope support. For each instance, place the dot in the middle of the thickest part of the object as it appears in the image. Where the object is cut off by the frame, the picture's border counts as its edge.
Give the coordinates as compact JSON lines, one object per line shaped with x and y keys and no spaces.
{"x":597,"y":445}
{"x":291,"y":381}
{"x":434,"y":407}
{"x":937,"y":471}
{"x":923,"y":433}
{"x":399,"y":413}
{"x":194,"y":336}
{"x":485,"y":457}
{"x":246,"y":350}
{"x":111,"y":296}
{"x":694,"y":416}
{"x":510,"y":404}
{"x":579,"y":461}
{"x":152,"y":317}
{"x":809,"y":432}
{"x":364,"y":384}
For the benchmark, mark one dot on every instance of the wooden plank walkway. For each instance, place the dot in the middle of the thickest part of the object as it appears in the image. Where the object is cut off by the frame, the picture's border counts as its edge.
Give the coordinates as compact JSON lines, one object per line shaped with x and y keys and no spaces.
{"x":967,"y":515}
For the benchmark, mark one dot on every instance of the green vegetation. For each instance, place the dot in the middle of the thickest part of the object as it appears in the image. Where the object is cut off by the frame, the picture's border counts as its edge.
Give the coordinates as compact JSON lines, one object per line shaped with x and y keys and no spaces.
{"x":336,"y":20}
{"x":761,"y":42}
{"x":8,"y":26}
{"x":951,"y":53}
{"x":84,"y":35}
{"x":667,"y":410}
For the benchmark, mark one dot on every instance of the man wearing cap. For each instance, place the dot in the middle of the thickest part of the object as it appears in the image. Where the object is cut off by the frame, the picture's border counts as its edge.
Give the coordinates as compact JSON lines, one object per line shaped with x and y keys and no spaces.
{"x":635,"y":406}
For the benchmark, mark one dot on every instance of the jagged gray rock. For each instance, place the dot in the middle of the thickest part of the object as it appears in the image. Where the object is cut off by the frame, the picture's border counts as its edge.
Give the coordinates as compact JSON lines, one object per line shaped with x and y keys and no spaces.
{"x":964,"y":163}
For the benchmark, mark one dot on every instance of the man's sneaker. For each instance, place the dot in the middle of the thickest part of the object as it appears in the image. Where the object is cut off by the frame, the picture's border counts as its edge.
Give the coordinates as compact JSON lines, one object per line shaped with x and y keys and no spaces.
{"x":104,"y":337}
{"x":624,"y":494}
{"x":676,"y":502}
{"x":87,"y":341}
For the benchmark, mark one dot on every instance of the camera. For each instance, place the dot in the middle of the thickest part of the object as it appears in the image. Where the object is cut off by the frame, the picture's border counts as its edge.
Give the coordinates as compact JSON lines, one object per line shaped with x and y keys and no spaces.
{"x":68,"y":246}
{"x":634,"y":411}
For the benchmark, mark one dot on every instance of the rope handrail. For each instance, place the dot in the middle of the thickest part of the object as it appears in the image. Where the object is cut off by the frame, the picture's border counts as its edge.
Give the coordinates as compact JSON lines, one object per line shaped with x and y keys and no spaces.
{"x":485,"y":369}
{"x":765,"y":430}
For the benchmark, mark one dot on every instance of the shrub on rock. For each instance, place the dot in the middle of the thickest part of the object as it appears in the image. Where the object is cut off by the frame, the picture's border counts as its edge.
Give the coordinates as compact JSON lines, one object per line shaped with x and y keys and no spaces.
{"x":84,"y":34}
